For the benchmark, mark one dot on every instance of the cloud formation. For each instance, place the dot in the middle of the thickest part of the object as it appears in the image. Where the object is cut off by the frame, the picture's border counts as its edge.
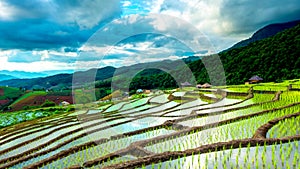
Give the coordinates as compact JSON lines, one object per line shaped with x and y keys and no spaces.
{"x":56,"y":32}
{"x":35,"y":24}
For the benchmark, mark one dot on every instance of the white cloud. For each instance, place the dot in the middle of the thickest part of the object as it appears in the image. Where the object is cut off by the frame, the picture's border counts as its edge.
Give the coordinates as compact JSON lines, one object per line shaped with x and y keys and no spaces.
{"x":35,"y":61}
{"x":127,"y":3}
{"x":139,"y":39}
{"x":203,"y":25}
{"x":133,"y":25}
{"x":204,"y":14}
{"x":217,"y":19}
{"x":33,"y":66}
{"x":6,"y":11}
{"x":89,"y":13}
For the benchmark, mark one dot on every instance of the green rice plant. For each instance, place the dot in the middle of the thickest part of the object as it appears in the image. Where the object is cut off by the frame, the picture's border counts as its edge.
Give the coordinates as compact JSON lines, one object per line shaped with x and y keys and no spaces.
{"x":241,"y":89}
{"x":259,"y":98}
{"x":274,"y":156}
{"x":241,"y":129}
{"x":287,"y":127}
{"x":255,"y":158}
{"x":270,"y":87}
{"x":89,"y":153}
{"x":290,"y":96}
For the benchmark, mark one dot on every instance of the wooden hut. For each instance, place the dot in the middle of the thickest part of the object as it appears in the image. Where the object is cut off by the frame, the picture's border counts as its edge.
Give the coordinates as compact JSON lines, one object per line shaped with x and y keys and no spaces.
{"x":255,"y":79}
{"x":206,"y":85}
{"x":186,"y":84}
{"x":139,"y":91}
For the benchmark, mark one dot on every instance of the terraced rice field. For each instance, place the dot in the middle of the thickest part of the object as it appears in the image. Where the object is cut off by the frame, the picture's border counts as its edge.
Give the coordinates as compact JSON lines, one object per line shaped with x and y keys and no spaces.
{"x":257,"y":130}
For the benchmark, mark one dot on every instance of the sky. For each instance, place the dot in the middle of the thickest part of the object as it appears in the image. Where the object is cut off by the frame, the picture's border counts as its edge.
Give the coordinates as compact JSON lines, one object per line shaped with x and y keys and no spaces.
{"x":43,"y":35}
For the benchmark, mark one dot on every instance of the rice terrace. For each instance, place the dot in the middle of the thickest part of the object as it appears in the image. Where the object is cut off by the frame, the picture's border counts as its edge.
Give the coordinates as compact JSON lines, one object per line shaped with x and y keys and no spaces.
{"x":149,"y":84}
{"x":240,"y":126}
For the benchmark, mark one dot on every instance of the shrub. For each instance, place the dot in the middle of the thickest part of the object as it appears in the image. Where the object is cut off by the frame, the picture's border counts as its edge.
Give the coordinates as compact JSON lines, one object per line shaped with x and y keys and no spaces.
{"x":48,"y":103}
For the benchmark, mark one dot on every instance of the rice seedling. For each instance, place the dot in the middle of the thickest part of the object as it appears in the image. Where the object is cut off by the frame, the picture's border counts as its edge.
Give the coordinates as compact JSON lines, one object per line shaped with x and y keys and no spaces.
{"x":287,"y":127}
{"x":138,"y":115}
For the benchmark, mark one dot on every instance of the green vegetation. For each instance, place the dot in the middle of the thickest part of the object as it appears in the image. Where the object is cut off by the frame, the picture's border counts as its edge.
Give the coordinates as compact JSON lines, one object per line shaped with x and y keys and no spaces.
{"x":288,"y":127}
{"x":197,"y":135}
{"x":27,"y":95}
{"x":281,"y":51}
{"x":10,"y":93}
{"x":48,"y":103}
{"x":12,"y":118}
{"x":159,"y":133}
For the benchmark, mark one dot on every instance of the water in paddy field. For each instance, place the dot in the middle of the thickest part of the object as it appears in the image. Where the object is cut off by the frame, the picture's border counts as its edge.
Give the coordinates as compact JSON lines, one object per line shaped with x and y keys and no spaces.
{"x":274,"y":156}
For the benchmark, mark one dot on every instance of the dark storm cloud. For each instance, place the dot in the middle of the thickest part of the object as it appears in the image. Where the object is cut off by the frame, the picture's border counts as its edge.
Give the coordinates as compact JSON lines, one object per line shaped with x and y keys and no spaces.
{"x":33,"y":24}
{"x":249,"y":15}
{"x":33,"y":34}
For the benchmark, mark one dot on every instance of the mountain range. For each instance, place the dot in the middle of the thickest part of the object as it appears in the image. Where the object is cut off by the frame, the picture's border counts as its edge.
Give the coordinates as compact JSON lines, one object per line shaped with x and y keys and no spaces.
{"x":65,"y":81}
{"x":265,"y":32}
{"x":6,"y":75}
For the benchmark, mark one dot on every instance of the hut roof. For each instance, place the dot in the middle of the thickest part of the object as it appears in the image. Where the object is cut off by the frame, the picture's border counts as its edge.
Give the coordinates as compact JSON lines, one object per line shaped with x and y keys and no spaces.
{"x":185,"y":84}
{"x":206,"y":85}
{"x":139,"y":90}
{"x":257,"y":78}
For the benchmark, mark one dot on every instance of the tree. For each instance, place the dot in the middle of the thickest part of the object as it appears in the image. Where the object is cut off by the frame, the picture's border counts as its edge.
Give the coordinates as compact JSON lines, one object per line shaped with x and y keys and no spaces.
{"x":48,"y":103}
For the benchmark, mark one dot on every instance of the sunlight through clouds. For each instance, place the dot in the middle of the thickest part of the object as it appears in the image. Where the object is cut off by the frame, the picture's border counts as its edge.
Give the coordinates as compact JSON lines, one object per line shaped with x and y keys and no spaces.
{"x":56,"y":31}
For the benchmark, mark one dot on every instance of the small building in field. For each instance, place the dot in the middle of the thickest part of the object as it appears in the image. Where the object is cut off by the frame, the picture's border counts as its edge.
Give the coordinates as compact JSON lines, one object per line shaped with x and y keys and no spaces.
{"x":139,"y":91}
{"x":206,"y":85}
{"x":147,"y":91}
{"x":186,"y":84}
{"x":255,"y":79}
{"x":198,"y":85}
{"x":64,"y":103}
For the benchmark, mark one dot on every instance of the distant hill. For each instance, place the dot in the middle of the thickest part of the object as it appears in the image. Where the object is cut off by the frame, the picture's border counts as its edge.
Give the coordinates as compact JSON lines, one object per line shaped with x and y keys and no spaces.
{"x":59,"y":81}
{"x":22,"y":74}
{"x":274,"y":59}
{"x":8,"y":95}
{"x":30,"y":75}
{"x":63,"y":81}
{"x":266,"y":32}
{"x":6,"y":77}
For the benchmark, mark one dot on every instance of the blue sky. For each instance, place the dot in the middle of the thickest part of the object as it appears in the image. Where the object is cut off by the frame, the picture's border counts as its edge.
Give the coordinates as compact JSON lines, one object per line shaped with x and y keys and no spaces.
{"x":39,"y":35}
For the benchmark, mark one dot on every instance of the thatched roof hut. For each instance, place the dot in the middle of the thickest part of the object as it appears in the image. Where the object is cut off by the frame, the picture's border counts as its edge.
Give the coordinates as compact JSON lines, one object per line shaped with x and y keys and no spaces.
{"x":186,"y":84}
{"x":206,"y":85}
{"x":139,"y":91}
{"x":255,"y":79}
